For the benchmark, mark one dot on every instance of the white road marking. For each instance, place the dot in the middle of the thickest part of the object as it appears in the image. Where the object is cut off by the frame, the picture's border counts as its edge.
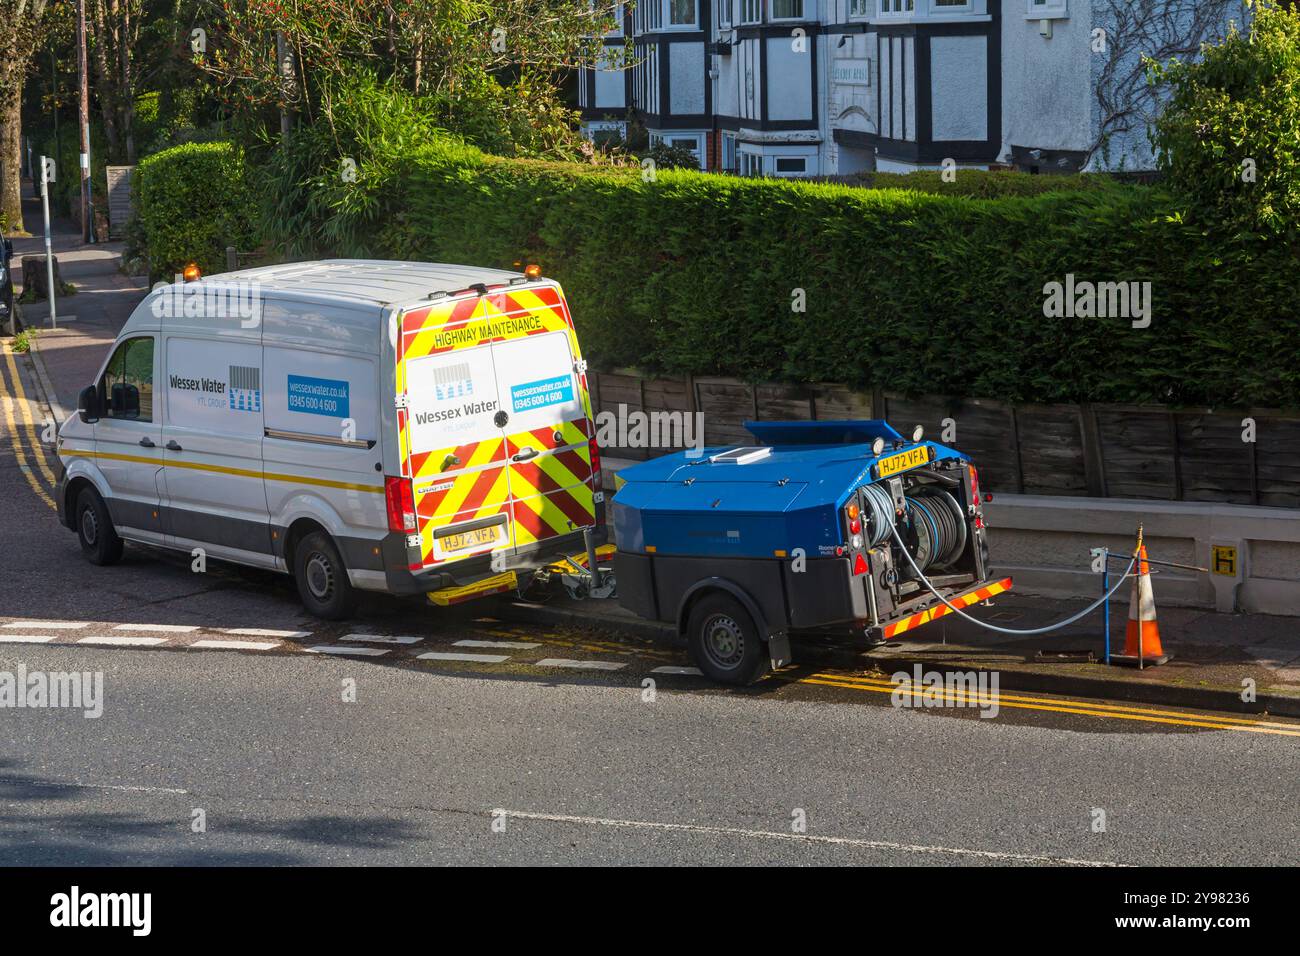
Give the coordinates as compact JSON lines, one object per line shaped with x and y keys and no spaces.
{"x":46,"y":625}
{"x":383,"y":638}
{"x":124,"y":641}
{"x":580,"y":665}
{"x":511,"y":645}
{"x":165,"y":628}
{"x":804,"y":838}
{"x":26,"y":638}
{"x":480,"y":658}
{"x":262,"y":632}
{"x":236,"y":645}
{"x":672,"y":669}
{"x":355,"y":651}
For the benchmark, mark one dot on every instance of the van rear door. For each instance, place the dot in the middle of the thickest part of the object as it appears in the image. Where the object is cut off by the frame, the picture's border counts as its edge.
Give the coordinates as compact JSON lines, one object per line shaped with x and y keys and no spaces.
{"x":494,"y":423}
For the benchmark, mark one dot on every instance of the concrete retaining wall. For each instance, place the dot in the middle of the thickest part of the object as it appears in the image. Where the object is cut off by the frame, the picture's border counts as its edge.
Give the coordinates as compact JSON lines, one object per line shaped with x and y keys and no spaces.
{"x":1045,"y":542}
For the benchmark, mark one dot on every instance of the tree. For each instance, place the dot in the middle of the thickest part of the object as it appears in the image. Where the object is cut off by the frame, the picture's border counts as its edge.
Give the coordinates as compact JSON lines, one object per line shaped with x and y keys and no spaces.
{"x":22,"y":29}
{"x":489,"y":68}
{"x":1229,"y":140}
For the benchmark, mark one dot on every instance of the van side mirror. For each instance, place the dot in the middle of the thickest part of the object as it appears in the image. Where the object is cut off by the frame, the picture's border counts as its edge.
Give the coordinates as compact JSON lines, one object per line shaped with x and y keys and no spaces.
{"x":8,"y":250}
{"x":88,"y":404}
{"x":125,"y":400}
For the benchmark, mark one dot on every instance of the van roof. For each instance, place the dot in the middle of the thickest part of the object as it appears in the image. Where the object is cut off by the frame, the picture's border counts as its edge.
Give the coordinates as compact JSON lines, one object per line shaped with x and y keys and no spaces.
{"x":376,"y":281}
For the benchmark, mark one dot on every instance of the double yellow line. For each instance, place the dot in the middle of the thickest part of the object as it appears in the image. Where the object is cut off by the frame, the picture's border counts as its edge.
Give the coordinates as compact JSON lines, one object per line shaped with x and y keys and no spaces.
{"x":15,"y":398}
{"x":920,"y":694}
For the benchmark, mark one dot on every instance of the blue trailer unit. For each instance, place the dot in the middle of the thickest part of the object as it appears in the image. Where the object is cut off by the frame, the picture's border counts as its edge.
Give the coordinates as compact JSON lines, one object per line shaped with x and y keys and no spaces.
{"x":804,"y":530}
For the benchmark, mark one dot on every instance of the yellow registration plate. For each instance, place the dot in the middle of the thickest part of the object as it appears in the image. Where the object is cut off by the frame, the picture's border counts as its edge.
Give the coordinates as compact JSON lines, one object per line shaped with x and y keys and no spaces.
{"x":912,"y":458}
{"x":469,"y":540}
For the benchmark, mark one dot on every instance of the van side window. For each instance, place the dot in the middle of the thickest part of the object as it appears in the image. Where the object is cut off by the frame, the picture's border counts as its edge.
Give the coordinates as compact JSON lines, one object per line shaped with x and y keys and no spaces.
{"x":127,"y":385}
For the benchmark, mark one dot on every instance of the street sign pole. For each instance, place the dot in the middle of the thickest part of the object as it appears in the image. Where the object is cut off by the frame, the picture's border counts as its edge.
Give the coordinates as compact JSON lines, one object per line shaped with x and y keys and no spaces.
{"x":50,"y":291}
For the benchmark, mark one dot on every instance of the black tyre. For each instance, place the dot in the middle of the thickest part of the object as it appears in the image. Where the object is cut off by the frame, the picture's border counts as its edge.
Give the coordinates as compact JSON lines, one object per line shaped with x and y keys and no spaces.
{"x":725,"y":642}
{"x":322,"y":578}
{"x":99,"y":541}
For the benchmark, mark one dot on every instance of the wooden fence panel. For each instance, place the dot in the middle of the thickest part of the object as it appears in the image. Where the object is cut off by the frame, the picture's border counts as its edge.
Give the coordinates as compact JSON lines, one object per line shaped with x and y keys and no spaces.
{"x":834,"y":403}
{"x":726,"y":405}
{"x":1216,"y":464}
{"x":1277,"y":447}
{"x":1051,"y":450}
{"x":1137,"y":451}
{"x":784,"y":403}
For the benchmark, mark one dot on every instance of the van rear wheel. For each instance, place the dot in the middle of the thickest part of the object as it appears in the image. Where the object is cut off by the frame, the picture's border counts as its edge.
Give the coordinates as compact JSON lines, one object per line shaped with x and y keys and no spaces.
{"x":724,"y":641}
{"x":99,"y":541}
{"x":322,"y":578}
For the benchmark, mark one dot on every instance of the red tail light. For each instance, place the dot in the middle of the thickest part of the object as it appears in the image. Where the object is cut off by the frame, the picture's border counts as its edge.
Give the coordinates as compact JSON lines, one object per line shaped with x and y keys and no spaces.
{"x":860,"y":565}
{"x":401,"y":504}
{"x":974,"y":484}
{"x":597,"y":482}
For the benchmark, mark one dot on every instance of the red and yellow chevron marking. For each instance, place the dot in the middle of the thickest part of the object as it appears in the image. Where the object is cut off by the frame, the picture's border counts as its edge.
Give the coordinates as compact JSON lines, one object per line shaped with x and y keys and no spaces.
{"x":965,"y":600}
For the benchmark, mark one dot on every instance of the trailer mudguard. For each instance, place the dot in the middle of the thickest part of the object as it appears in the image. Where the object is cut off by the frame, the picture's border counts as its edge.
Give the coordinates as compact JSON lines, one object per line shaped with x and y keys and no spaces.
{"x":778,"y":641}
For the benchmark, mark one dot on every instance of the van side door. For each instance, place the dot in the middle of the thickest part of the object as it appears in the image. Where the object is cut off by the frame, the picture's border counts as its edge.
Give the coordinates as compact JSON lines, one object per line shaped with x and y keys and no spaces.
{"x":128,"y":437}
{"x":212,"y":444}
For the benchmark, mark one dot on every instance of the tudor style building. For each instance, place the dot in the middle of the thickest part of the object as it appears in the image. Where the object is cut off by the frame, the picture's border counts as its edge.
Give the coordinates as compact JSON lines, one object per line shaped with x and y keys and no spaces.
{"x":826,"y":87}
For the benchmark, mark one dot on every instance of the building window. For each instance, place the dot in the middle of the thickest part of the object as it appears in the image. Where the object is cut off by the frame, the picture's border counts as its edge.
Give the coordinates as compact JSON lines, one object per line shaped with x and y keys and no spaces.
{"x":681,"y":13}
{"x":729,"y":153}
{"x":791,"y":164}
{"x":859,"y":8}
{"x":787,"y":9}
{"x":751,"y":11}
{"x":724,"y":13}
{"x":1047,"y":9}
{"x":751,"y":164}
{"x":897,"y":7}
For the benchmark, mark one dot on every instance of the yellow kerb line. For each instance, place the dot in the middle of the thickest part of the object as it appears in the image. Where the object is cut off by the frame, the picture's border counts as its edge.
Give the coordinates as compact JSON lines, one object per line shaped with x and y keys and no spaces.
{"x":16,"y":440}
{"x":1121,"y":708}
{"x":1087,"y":710}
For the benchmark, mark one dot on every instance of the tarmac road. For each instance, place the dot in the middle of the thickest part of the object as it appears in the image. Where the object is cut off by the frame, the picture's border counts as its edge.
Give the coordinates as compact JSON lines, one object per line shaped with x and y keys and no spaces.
{"x":554,"y":728}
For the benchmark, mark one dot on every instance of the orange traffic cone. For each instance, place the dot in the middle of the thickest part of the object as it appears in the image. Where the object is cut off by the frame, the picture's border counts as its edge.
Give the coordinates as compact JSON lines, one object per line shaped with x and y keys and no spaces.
{"x":1142,"y":637}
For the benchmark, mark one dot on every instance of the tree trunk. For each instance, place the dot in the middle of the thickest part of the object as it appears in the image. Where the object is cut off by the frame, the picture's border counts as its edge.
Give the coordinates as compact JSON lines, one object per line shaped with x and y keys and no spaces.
{"x":126,"y":94}
{"x":103,"y":80}
{"x":11,"y":151}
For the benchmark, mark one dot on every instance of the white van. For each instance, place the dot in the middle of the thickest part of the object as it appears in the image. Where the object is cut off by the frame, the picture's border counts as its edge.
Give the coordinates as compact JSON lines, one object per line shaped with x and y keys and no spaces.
{"x":388,"y":426}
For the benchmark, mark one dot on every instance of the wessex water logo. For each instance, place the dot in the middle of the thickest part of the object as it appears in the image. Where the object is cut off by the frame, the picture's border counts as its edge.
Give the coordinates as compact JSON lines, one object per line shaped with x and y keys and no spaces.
{"x":453,"y":381}
{"x":245,"y":388}
{"x":74,"y":909}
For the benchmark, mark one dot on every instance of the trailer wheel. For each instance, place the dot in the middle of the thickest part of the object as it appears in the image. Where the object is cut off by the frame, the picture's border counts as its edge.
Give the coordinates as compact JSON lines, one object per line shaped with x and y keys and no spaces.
{"x":725,"y":642}
{"x":322,"y":578}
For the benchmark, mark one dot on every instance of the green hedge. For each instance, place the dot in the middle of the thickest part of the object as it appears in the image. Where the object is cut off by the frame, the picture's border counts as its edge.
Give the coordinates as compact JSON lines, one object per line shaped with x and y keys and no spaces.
{"x":191,"y":202}
{"x":905,"y":290}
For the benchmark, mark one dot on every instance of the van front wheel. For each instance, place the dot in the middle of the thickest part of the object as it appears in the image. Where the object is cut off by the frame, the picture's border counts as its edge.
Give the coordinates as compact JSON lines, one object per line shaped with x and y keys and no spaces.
{"x":99,"y":541}
{"x":322,"y":578}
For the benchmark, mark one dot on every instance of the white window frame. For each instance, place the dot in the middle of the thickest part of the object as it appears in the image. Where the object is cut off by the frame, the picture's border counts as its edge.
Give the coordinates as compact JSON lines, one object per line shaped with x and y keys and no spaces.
{"x":778,"y":171}
{"x":751,"y":11}
{"x":749,"y":163}
{"x":861,"y":9}
{"x":667,"y":23}
{"x":726,"y":14}
{"x":773,"y":18}
{"x":905,"y":8}
{"x":730,"y":150}
{"x":1047,"y":9}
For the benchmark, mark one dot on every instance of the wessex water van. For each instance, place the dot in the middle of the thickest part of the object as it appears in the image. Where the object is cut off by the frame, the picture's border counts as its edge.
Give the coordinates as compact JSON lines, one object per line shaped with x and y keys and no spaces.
{"x":387,"y":426}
